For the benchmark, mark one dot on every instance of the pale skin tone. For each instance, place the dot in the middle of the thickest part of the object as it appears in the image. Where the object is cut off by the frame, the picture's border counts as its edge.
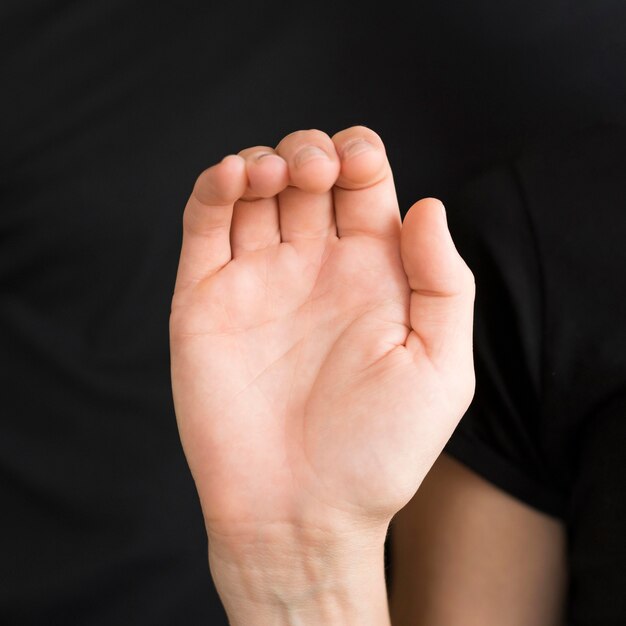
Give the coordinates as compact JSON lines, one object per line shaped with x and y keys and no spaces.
{"x":321,"y":357}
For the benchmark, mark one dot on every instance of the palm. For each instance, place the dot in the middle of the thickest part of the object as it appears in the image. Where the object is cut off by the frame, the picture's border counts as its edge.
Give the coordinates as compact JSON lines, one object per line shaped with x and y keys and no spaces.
{"x":304,"y":388}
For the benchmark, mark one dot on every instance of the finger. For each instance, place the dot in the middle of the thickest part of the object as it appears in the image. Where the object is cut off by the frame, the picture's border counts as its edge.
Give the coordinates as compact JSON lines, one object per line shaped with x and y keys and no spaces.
{"x":364,"y":195}
{"x":306,"y":206}
{"x":442,"y":286}
{"x":267,"y":172}
{"x":255,"y":223}
{"x":207,"y":218}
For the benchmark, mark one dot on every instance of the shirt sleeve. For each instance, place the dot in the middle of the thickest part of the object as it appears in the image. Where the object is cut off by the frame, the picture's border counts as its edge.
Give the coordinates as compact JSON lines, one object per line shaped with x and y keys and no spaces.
{"x":502,"y":435}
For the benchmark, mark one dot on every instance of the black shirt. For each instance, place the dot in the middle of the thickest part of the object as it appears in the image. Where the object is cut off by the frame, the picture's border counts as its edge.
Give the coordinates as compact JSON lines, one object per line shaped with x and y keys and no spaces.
{"x":546,"y":239}
{"x":109,"y":111}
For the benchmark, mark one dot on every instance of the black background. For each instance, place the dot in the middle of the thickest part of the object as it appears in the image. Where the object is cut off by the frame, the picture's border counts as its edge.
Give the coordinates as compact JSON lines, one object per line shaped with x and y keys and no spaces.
{"x":109,"y":111}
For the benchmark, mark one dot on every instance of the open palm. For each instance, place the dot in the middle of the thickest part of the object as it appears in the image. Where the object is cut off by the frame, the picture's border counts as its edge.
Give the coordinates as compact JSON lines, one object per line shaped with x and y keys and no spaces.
{"x":321,"y":349}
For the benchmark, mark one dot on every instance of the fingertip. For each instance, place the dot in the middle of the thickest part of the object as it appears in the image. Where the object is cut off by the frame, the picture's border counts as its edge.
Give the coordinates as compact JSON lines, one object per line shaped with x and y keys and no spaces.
{"x":427,"y":248}
{"x":268,"y":175}
{"x":363,"y":157}
{"x":312,"y":158}
{"x":435,"y":203}
{"x":314,"y":174}
{"x":358,"y":131}
{"x":222,"y":183}
{"x":427,"y":209}
{"x":362,"y":165}
{"x":232,"y":165}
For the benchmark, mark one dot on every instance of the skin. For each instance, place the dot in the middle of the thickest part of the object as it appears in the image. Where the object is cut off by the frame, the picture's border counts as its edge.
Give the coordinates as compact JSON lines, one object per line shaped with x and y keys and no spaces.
{"x":467,"y":554}
{"x":321,"y":357}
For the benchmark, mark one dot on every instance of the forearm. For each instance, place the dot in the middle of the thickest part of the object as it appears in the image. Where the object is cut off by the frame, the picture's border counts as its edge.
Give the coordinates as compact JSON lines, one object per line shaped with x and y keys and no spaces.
{"x":276,"y":582}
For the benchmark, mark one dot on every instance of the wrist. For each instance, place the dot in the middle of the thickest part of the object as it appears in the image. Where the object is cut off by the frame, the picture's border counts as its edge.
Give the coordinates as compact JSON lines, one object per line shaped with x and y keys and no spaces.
{"x":284,"y":575}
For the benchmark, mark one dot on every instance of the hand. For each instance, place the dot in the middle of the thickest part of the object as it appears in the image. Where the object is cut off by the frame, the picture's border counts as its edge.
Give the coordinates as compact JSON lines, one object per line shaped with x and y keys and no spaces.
{"x":321,"y":348}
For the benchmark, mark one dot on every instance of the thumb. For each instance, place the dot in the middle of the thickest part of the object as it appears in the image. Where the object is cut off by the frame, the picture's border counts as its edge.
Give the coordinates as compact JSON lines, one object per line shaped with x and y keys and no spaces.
{"x":442,"y":286}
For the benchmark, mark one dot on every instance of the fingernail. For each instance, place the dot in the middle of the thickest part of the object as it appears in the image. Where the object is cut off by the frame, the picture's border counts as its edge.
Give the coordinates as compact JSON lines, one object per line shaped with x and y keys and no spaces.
{"x":262,"y":155}
{"x":356,"y":146}
{"x":309,"y":153}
